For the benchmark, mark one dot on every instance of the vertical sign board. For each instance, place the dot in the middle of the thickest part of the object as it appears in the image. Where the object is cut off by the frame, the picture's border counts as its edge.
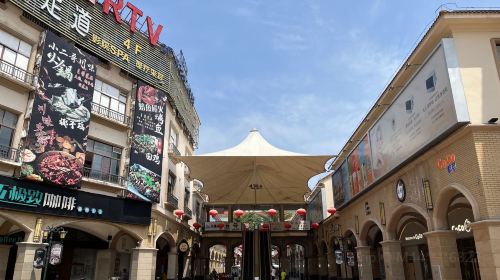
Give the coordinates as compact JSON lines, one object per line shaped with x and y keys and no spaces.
{"x":57,"y":135}
{"x":147,"y":143}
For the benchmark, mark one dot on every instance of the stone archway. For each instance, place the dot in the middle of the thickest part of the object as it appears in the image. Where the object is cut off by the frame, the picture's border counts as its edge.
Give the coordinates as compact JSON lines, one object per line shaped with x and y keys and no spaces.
{"x":406,"y":252}
{"x":370,"y":253}
{"x":443,"y":200}
{"x":166,"y":256}
{"x":15,"y":232}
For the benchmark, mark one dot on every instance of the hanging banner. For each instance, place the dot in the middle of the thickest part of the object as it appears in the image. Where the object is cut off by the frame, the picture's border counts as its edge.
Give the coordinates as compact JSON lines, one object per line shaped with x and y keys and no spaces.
{"x":146,"y":151}
{"x":57,"y":134}
{"x":39,"y":258}
{"x":339,"y":257}
{"x":56,"y":253}
{"x":341,"y":185}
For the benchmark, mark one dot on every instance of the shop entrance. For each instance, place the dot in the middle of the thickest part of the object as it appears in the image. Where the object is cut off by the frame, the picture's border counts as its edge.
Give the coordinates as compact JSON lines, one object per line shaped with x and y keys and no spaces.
{"x":460,"y":216}
{"x":163,"y":259}
{"x":373,"y":239}
{"x":414,"y":250}
{"x":295,"y":254}
{"x":10,"y":248}
{"x":79,"y":256}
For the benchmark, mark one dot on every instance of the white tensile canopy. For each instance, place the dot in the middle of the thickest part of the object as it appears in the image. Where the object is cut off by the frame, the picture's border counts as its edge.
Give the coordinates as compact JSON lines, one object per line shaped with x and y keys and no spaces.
{"x":254,"y":172}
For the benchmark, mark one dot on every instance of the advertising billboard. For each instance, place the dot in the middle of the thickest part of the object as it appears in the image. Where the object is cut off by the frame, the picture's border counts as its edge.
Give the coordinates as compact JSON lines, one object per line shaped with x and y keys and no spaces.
{"x":427,"y":107}
{"x":57,"y":134}
{"x":341,"y":185}
{"x":360,"y":166}
{"x":431,"y":104}
{"x":146,"y":151}
{"x":315,"y":208}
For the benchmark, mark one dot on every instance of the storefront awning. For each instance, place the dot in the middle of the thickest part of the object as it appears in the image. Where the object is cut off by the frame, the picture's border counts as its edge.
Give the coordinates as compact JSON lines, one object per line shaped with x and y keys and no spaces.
{"x":254,"y":172}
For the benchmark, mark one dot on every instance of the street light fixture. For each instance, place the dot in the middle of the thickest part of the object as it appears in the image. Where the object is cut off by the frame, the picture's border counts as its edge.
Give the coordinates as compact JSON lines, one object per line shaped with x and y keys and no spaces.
{"x":48,"y":235}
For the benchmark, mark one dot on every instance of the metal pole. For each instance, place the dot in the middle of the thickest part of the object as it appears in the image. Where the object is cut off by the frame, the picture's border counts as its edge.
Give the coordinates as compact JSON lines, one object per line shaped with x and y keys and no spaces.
{"x":46,"y":261}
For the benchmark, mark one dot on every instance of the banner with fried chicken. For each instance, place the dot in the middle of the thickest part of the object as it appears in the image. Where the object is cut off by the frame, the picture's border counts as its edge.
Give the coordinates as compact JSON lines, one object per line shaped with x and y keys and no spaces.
{"x":57,"y":136}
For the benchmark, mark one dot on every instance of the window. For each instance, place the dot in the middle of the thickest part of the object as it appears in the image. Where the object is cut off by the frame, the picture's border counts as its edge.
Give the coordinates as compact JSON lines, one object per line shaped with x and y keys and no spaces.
{"x":171,"y":183}
{"x":110,"y":102}
{"x":173,"y":136}
{"x":14,"y":55}
{"x":496,"y":53}
{"x":103,"y":161}
{"x":186,"y":198}
{"x":8,"y":123}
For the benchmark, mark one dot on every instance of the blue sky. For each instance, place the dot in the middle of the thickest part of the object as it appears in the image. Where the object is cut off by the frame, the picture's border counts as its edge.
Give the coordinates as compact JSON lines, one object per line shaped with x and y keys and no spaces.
{"x":303,"y":72}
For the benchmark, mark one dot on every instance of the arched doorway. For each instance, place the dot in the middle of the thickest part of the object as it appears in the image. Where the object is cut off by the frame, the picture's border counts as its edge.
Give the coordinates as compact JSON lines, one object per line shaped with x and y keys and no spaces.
{"x":217,"y":255}
{"x":410,"y":231}
{"x":351,"y":258}
{"x":372,"y":236}
{"x":122,"y":245}
{"x":296,"y":262}
{"x":79,"y":255}
{"x":11,"y":233}
{"x":165,"y":256}
{"x":323,"y":261}
{"x":459,"y":217}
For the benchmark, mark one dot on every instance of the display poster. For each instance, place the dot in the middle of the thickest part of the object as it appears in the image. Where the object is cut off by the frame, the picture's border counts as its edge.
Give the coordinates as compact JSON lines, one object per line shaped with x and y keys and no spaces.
{"x":341,"y":184}
{"x":315,"y":208}
{"x":39,"y":258}
{"x":350,"y":258}
{"x":146,"y":151}
{"x":360,"y":166}
{"x":423,"y":111}
{"x":57,"y":134}
{"x":339,"y":257}
{"x":56,"y":253}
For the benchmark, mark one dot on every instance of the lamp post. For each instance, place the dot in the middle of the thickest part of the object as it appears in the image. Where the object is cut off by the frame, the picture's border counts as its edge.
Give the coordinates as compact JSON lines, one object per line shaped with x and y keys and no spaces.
{"x":48,"y":235}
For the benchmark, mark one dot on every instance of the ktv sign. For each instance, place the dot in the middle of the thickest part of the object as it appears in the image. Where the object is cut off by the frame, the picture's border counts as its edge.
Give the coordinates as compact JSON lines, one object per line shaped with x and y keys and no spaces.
{"x":82,"y":17}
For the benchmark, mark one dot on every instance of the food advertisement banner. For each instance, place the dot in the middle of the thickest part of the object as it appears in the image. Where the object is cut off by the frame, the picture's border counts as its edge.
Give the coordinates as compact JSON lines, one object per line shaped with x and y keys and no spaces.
{"x":426,"y":108}
{"x":146,"y":151}
{"x":57,"y":134}
{"x":341,"y":185}
{"x":360,"y":166}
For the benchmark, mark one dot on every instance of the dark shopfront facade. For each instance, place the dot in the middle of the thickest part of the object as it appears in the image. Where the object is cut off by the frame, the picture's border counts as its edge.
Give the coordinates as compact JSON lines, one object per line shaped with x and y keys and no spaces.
{"x":102,"y":231}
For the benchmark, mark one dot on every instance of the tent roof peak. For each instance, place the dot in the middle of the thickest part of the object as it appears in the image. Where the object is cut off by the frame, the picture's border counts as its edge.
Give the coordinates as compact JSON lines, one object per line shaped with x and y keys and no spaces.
{"x":254,"y":145}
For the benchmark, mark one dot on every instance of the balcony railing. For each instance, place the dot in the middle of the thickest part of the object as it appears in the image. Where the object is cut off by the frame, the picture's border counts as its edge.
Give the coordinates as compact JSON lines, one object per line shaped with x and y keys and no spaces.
{"x":110,"y":114}
{"x":15,"y":72}
{"x":105,"y":177}
{"x":172,"y":149}
{"x":10,"y":154}
{"x":172,"y":200}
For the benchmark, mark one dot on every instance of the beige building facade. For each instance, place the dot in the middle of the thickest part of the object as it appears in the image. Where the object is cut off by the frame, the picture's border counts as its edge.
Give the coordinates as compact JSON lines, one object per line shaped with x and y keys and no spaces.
{"x":434,"y":215}
{"x":148,"y":240}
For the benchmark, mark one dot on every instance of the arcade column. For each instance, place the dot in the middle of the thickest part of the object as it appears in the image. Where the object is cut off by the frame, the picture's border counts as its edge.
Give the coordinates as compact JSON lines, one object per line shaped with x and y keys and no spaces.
{"x":143,"y":264}
{"x":443,"y":253}
{"x":24,"y":262}
{"x":487,"y":241}
{"x":4,"y":259}
{"x":393,"y":260}
{"x":364,"y":262}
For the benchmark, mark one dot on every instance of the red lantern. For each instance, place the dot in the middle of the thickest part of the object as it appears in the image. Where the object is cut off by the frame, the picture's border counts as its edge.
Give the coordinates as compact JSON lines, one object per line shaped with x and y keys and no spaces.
{"x":213,"y":212}
{"x":196,"y":226}
{"x":179,"y":213}
{"x":332,"y":211}
{"x":271,"y":212}
{"x":238,"y":213}
{"x":301,"y":211}
{"x":221,"y":225}
{"x":288,"y":226}
{"x":314,"y":225}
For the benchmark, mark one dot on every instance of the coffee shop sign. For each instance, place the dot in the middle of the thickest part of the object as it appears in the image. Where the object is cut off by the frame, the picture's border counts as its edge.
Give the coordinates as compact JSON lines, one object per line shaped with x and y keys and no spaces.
{"x":462,"y":228}
{"x":82,"y":18}
{"x":34,"y":198}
